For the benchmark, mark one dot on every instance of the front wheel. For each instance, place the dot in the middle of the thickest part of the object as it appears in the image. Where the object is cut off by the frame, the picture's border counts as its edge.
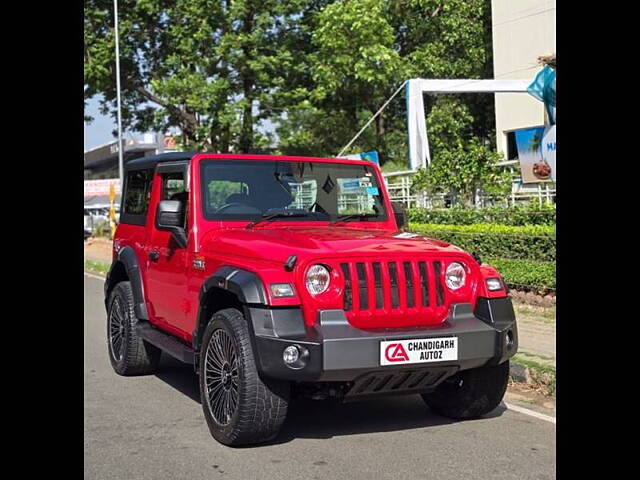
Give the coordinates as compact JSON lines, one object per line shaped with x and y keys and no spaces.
{"x":470,"y":393}
{"x":239,"y":407}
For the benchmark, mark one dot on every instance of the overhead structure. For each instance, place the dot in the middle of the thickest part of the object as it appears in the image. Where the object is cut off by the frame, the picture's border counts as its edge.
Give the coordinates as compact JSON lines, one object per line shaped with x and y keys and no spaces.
{"x":415,"y":88}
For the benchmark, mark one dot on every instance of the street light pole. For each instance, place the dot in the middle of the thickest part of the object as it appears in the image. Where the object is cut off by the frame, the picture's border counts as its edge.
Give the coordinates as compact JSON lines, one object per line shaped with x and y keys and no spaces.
{"x":120,"y":145}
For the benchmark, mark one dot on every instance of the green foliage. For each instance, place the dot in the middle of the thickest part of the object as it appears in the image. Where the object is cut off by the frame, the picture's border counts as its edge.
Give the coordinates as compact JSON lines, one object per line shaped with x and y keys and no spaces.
{"x":221,"y":71}
{"x":98,"y":267}
{"x":532,"y":214}
{"x":102,"y":229}
{"x":533,"y":242}
{"x":463,"y":169}
{"x":395,"y":166}
{"x":202,"y":66}
{"x":527,"y":275}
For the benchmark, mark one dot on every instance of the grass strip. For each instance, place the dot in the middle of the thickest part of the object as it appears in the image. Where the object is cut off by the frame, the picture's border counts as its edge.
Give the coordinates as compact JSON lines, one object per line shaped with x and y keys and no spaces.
{"x":542,"y":375}
{"x":96,"y":267}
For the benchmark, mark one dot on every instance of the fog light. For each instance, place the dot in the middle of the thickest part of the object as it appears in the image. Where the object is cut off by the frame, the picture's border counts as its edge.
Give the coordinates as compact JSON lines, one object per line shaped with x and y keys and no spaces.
{"x":508,"y":339}
{"x":494,"y":284}
{"x":290,"y":355}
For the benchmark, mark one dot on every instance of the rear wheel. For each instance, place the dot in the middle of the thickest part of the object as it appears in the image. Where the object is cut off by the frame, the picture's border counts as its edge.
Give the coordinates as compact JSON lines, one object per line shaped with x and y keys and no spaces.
{"x":128,"y":353}
{"x":239,"y":406}
{"x":470,"y":393}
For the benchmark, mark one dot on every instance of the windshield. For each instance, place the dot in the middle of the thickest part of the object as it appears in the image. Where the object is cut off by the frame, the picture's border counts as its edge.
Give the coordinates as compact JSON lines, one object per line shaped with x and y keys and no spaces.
{"x":301,"y":191}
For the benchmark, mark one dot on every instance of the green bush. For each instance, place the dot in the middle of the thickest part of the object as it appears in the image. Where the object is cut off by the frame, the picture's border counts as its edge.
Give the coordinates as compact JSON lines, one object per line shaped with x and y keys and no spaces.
{"x":102,"y":229}
{"x":531,"y":242}
{"x":538,"y":277}
{"x":533,"y":214}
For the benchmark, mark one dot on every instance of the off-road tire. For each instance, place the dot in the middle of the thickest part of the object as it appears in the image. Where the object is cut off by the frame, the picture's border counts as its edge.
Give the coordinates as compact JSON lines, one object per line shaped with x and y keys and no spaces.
{"x":261,"y":406}
{"x":470,"y":393}
{"x":136,"y":357}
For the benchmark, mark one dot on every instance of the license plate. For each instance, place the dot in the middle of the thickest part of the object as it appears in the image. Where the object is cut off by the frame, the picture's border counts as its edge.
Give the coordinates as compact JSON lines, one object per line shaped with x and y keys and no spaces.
{"x":421,"y":350}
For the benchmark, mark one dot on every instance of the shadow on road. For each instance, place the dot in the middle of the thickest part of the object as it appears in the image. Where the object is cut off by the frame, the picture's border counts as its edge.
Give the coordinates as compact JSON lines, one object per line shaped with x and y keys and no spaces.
{"x":326,"y":419}
{"x":180,"y":376}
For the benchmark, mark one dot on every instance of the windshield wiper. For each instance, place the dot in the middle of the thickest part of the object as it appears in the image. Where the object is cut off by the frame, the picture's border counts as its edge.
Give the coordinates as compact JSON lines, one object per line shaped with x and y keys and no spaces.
{"x":270,"y":216}
{"x":352,"y":216}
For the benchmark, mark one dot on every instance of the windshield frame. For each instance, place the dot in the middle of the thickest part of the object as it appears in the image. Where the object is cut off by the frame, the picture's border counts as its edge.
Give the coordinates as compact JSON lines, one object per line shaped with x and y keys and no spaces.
{"x":383,"y":217}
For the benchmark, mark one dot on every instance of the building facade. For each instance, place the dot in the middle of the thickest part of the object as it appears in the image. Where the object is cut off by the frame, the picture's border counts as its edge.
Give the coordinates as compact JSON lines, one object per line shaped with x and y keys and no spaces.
{"x":523,"y":31}
{"x":102,"y":162}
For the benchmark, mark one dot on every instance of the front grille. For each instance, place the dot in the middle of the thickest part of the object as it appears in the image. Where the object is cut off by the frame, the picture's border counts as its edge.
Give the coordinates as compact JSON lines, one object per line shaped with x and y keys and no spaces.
{"x":392,"y":285}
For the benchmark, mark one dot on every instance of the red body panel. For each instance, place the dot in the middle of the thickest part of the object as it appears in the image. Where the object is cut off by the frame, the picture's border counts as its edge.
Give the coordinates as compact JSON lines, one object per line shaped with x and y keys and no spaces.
{"x":172,"y":285}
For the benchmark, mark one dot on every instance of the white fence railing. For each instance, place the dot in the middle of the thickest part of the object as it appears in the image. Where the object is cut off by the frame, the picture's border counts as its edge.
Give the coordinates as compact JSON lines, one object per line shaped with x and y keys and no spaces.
{"x":400,"y":191}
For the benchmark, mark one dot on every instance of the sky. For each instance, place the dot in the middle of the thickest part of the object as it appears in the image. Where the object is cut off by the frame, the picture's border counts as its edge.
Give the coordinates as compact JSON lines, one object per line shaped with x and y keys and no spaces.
{"x":99,"y":131}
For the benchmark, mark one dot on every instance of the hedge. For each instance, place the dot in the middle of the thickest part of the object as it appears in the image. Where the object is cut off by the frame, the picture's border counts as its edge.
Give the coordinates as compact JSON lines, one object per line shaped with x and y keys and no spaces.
{"x":538,"y":277}
{"x":534,"y":214}
{"x":532,"y":242}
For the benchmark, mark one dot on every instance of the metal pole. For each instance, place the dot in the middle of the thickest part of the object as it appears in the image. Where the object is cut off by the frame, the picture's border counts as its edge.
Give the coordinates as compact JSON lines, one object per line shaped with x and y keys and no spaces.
{"x":120,"y":144}
{"x":371,"y":119}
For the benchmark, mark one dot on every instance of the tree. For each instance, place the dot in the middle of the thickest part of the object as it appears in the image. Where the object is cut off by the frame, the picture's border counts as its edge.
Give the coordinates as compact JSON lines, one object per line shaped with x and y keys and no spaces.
{"x":364,"y":49}
{"x":203,"y":66}
{"x":464,"y":171}
{"x":462,"y":164}
{"x":317,"y":69}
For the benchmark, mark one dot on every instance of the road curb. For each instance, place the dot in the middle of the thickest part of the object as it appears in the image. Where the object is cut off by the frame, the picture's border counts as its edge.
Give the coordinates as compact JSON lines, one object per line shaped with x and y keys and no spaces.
{"x":95,"y":275}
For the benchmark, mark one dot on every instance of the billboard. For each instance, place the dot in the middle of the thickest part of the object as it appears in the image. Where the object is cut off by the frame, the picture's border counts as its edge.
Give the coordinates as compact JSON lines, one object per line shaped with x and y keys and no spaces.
{"x":537,"y":154}
{"x":371,"y":156}
{"x":101,"y":187}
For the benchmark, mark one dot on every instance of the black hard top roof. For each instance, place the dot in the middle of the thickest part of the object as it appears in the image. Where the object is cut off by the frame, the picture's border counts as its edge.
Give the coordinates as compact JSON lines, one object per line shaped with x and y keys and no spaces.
{"x":153,"y":160}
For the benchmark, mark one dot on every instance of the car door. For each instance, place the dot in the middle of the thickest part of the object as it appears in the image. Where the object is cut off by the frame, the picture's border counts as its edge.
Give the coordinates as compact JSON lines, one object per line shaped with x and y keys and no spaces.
{"x":166,"y":260}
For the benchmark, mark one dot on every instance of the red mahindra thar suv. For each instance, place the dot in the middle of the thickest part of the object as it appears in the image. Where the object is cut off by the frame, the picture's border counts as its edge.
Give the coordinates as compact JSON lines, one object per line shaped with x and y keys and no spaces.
{"x":275,"y":275}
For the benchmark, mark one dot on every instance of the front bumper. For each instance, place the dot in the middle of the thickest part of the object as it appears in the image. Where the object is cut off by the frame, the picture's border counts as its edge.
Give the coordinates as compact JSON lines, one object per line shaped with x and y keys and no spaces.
{"x":340,"y":352}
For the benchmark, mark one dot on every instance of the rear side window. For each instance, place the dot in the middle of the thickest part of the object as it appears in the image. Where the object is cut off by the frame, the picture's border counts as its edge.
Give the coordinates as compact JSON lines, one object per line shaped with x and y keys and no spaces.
{"x":173,"y":186}
{"x":136,"y":196}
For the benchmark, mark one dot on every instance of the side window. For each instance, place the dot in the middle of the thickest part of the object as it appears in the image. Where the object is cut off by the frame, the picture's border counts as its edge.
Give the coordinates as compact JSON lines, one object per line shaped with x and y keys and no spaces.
{"x":136,"y":196}
{"x":173,"y":189}
{"x":173,"y":186}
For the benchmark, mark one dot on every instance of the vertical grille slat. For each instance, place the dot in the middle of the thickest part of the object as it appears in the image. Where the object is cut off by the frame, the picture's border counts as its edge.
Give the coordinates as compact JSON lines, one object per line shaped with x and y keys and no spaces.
{"x":393,"y":277}
{"x":424,"y":283}
{"x":355,"y":287}
{"x":371,"y":285}
{"x":377,"y":278}
{"x":437,"y":268}
{"x":402,"y":286}
{"x":347,"y":286}
{"x":362,"y":286}
{"x":386,"y":286}
{"x":408,"y":278}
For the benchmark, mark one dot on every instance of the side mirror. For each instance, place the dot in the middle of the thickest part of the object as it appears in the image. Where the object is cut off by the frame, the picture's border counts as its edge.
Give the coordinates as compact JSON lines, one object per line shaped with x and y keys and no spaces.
{"x":170,"y":217}
{"x":400,"y":212}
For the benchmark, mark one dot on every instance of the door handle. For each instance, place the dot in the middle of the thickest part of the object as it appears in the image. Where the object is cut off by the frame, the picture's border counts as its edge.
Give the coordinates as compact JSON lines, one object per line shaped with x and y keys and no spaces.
{"x":154,"y":255}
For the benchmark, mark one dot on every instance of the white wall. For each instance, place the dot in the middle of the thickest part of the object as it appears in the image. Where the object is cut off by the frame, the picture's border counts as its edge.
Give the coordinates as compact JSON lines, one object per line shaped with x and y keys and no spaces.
{"x":523,"y":30}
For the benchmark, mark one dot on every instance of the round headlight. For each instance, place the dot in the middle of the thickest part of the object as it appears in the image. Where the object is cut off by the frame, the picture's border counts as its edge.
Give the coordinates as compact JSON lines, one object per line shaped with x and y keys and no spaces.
{"x":455,"y":276}
{"x":317,"y":279}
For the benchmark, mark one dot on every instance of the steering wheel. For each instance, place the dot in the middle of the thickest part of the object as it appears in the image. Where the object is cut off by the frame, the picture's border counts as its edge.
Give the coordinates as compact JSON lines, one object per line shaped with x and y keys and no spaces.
{"x":244,"y":206}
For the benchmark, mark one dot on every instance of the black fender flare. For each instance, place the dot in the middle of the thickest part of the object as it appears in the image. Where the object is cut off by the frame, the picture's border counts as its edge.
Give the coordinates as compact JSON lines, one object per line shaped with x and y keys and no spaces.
{"x":245,"y":286}
{"x":127,"y":257}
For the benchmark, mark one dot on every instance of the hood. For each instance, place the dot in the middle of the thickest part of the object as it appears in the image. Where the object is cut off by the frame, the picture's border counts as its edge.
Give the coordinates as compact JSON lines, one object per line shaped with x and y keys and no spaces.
{"x":279,"y":243}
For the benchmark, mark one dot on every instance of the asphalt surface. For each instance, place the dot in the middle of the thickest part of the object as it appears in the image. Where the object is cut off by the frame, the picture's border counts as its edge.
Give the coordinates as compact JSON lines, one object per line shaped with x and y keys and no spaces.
{"x":153,"y":427}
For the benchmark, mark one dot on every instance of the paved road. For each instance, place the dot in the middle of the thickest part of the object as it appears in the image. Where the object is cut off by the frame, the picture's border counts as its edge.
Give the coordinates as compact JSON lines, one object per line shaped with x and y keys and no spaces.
{"x":152,"y":427}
